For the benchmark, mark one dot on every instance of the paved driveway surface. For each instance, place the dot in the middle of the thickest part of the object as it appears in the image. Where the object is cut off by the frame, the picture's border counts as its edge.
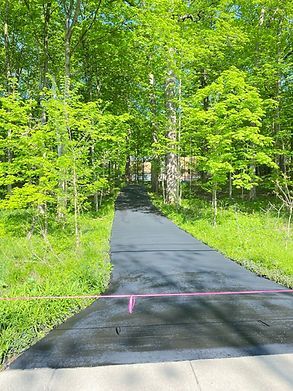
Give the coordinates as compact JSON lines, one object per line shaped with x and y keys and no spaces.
{"x":151,"y":255}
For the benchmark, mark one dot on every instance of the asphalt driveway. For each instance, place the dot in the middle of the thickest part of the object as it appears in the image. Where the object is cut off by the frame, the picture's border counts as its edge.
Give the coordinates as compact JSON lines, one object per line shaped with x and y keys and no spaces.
{"x":150,"y":254}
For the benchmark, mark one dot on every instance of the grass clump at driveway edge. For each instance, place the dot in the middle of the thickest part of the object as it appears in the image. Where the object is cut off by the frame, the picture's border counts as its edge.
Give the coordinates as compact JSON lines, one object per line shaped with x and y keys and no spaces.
{"x":32,"y":267}
{"x":251,"y":237}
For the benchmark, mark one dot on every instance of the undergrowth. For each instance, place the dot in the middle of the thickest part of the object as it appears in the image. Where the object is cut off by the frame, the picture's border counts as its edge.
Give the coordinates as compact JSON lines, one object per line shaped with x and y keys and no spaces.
{"x":37,"y":267}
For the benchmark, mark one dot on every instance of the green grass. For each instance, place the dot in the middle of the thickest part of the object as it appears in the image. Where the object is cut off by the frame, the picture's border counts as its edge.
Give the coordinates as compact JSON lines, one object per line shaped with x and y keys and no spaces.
{"x":251,"y":233}
{"x":35,"y":267}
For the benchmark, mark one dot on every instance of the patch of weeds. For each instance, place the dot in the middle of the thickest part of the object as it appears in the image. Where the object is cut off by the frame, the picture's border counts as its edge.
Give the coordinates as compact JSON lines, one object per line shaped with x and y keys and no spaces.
{"x":53,"y":267}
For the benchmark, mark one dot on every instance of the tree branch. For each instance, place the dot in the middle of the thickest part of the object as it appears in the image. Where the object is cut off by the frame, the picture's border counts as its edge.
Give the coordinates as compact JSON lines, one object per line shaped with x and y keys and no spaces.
{"x":83,"y":34}
{"x":27,"y":4}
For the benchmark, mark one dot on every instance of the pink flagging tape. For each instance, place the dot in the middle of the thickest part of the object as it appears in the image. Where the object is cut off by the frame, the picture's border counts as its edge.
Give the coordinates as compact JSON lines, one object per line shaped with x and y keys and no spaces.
{"x":131,"y":304}
{"x":132,"y":297}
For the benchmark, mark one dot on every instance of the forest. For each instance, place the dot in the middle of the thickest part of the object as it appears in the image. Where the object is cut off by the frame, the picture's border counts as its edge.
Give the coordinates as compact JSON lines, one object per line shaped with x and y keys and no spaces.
{"x":93,"y":90}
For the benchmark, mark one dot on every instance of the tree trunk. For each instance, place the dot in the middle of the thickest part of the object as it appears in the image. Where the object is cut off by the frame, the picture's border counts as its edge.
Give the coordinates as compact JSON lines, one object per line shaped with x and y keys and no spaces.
{"x":67,"y":56}
{"x":136,"y":169}
{"x":289,"y":221}
{"x":42,"y":212}
{"x":155,"y":170}
{"x":127,"y":170}
{"x":96,"y":201}
{"x":71,"y":17}
{"x":76,"y":205}
{"x":44,"y":67}
{"x":171,"y":157}
{"x":43,"y":209}
{"x":93,"y":162}
{"x":230,"y":185}
{"x":142,"y":170}
{"x":7,"y":71}
{"x":214,"y":205}
{"x":171,"y":178}
{"x":155,"y":163}
{"x":6,"y":46}
{"x":252,"y":192}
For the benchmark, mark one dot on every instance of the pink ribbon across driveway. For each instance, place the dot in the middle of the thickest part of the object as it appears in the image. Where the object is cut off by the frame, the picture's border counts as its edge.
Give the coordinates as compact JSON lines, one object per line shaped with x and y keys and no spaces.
{"x":132,"y":297}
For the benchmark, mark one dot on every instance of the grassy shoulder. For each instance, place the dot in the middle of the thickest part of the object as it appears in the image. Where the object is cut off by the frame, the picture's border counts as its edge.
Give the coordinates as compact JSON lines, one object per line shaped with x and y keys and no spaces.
{"x":34,"y":267}
{"x":251,"y":233}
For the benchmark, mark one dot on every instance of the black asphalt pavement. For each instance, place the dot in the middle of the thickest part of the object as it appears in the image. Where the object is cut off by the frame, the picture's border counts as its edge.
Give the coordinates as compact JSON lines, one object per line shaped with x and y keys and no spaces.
{"x":150,"y":254}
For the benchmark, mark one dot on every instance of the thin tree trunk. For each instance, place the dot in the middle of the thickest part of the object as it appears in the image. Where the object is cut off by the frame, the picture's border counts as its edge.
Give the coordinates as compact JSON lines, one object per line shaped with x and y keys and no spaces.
{"x":252,"y":192}
{"x":164,"y":187}
{"x":76,"y":205}
{"x":190,"y":167}
{"x":289,"y":222}
{"x":230,"y":185}
{"x":93,"y":162}
{"x":6,"y":45}
{"x":178,"y":146}
{"x":43,"y":209}
{"x":44,"y":72}
{"x":136,"y":169}
{"x":214,"y":205}
{"x":142,"y":170}
{"x":72,"y":13}
{"x":67,"y":56}
{"x":155,"y":167}
{"x":101,"y":198}
{"x":127,"y":170}
{"x":7,"y":71}
{"x":96,"y":201}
